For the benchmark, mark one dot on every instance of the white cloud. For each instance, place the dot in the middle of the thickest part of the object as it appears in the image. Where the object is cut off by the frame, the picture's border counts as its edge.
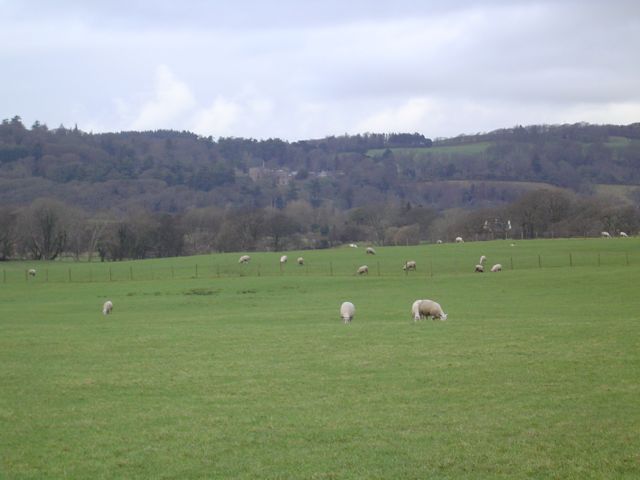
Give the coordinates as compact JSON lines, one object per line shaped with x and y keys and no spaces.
{"x":168,"y":105}
{"x":220,"y":119}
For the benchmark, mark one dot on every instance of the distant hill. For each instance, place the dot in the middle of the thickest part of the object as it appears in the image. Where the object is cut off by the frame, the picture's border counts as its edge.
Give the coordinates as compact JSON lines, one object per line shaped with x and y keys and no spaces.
{"x":170,"y":171}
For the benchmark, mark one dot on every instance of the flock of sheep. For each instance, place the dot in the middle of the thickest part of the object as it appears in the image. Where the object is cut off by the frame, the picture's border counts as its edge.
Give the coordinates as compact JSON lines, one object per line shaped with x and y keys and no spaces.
{"x":420,"y":308}
{"x":608,"y":235}
{"x":480,"y":266}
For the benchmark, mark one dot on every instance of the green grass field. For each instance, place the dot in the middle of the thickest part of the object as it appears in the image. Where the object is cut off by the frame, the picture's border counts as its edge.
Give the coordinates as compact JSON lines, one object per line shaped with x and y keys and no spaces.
{"x":470,"y":149}
{"x":232,"y":373}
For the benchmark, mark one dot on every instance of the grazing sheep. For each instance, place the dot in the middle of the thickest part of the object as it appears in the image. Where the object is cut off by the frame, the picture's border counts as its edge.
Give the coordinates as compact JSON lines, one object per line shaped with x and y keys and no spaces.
{"x":370,"y":251}
{"x":32,"y":272}
{"x":283,"y":259}
{"x":459,"y":240}
{"x":300,"y":261}
{"x":347,"y":311}
{"x":479,"y":269}
{"x":363,"y":270}
{"x":496,"y":268}
{"x":107,"y":308}
{"x":353,"y":245}
{"x":427,"y":308}
{"x":410,"y":265}
{"x":482,"y":260}
{"x":244,"y":259}
{"x":622,"y":234}
{"x":605,"y":235}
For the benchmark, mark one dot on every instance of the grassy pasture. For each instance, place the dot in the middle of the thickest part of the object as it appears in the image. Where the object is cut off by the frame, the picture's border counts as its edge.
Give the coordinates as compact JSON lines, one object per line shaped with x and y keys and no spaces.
{"x":470,"y":149}
{"x":534,"y":375}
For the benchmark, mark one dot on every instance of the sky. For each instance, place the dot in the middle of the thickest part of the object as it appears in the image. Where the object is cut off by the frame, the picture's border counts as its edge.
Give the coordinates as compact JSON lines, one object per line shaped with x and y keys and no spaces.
{"x":296,"y":69}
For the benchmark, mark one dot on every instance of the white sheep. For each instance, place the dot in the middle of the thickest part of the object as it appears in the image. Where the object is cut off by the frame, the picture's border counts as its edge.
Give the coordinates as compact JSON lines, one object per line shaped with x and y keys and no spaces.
{"x":363,"y":270}
{"x":300,"y":261}
{"x":459,"y":240}
{"x":439,"y":242}
{"x":370,"y":251}
{"x":410,"y":265}
{"x":347,"y":311}
{"x":622,"y":234}
{"x":353,"y":245}
{"x":427,"y":308}
{"x":605,"y":235}
{"x":283,"y":259}
{"x":244,"y":259}
{"x":496,"y":268}
{"x":479,"y":269}
{"x":107,"y":308}
{"x":32,"y":272}
{"x":482,"y":259}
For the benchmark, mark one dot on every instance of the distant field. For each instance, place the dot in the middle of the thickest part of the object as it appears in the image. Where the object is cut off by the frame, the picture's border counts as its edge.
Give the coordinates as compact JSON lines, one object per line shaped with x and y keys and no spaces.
{"x":516,"y":185}
{"x":466,"y":149}
{"x":620,"y":142}
{"x":249,"y":373}
{"x":621,"y":192}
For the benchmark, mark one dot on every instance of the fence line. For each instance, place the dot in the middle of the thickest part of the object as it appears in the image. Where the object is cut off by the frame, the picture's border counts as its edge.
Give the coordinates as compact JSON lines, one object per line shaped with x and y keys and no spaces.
{"x":427,"y":267}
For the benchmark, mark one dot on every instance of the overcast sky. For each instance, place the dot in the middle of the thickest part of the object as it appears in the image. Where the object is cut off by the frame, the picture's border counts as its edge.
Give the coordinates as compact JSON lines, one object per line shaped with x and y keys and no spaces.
{"x":297,"y":69}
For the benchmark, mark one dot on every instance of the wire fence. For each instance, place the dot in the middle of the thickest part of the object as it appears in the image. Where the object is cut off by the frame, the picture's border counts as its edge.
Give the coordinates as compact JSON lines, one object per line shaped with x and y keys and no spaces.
{"x":427,"y":266}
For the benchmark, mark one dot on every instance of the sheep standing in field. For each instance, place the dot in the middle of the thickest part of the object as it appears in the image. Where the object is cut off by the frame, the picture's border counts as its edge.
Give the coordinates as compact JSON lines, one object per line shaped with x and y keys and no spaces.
{"x":622,"y":234}
{"x":605,"y":235}
{"x":300,"y":261}
{"x":347,"y":311}
{"x":370,"y":251}
{"x":107,"y":308}
{"x":353,"y":245}
{"x":244,"y":259}
{"x":482,"y":259}
{"x":439,"y":242}
{"x":496,"y":268}
{"x":410,"y":265}
{"x":459,"y":240}
{"x":479,"y":269}
{"x":363,"y":270}
{"x":32,"y":272}
{"x":427,"y":308}
{"x":283,"y":259}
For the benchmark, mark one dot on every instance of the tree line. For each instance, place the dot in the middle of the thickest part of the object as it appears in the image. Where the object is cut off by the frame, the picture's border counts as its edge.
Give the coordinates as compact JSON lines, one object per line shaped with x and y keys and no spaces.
{"x":48,"y":229}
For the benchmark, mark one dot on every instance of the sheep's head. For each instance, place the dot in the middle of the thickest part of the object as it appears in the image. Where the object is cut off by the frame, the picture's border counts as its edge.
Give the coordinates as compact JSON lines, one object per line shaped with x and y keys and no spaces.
{"x":443,"y":317}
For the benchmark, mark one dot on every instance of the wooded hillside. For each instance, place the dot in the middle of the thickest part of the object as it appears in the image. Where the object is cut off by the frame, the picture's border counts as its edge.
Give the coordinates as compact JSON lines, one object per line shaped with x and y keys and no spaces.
{"x":165,"y":193}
